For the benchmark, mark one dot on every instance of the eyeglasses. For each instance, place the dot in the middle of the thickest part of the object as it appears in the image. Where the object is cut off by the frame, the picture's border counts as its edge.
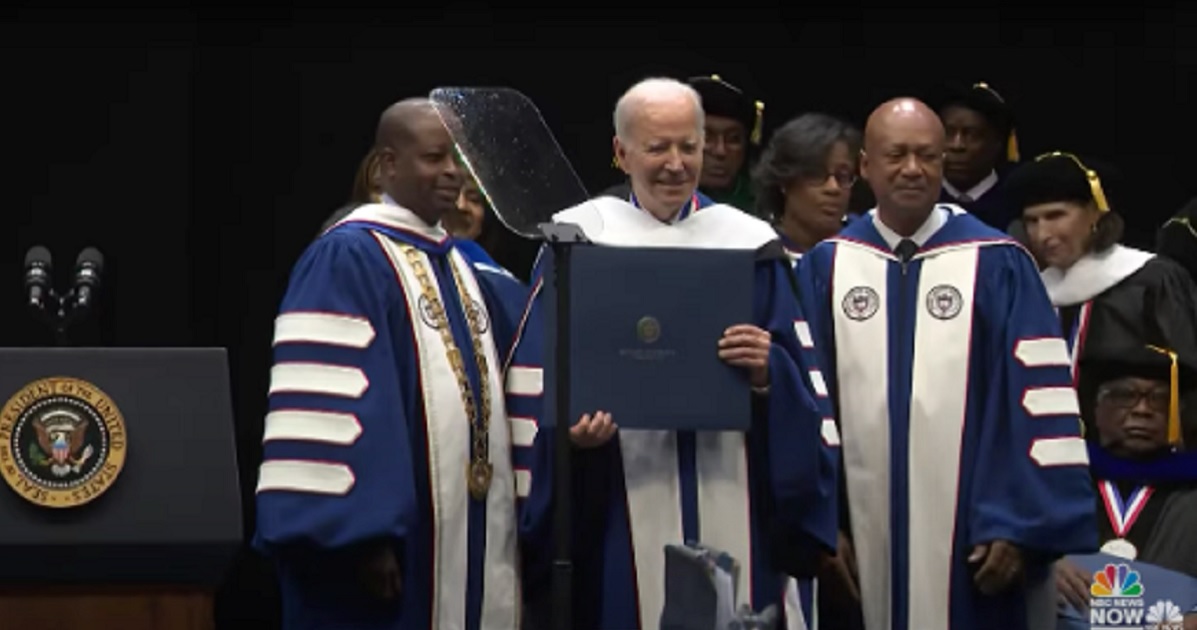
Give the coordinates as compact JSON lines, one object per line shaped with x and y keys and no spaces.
{"x":844,"y":179}
{"x":1128,"y":398}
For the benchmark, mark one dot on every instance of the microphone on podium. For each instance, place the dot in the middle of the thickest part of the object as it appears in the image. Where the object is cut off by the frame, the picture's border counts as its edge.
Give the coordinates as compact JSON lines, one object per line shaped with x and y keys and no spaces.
{"x":88,"y":267}
{"x":39,"y":271}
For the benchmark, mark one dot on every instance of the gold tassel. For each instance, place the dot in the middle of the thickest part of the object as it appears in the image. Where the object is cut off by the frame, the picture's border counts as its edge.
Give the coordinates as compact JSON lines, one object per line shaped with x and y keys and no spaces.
{"x":1099,"y":195}
{"x":1174,"y":437}
{"x":759,"y":125}
{"x":1012,"y":147}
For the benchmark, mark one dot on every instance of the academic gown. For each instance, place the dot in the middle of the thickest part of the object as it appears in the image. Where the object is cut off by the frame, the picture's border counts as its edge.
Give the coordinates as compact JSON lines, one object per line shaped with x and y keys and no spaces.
{"x":767,"y":497}
{"x":739,"y":196}
{"x":994,"y":207}
{"x":959,"y":425}
{"x":367,"y":439}
{"x":1124,"y":298}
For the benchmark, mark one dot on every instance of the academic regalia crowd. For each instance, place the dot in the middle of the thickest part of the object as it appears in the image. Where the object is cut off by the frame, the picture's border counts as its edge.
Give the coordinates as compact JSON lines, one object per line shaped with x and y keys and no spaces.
{"x":962,"y":394}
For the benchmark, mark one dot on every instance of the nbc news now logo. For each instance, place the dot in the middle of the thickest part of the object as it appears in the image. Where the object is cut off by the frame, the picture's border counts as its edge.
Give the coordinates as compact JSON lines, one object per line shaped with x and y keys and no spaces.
{"x":1117,"y":603}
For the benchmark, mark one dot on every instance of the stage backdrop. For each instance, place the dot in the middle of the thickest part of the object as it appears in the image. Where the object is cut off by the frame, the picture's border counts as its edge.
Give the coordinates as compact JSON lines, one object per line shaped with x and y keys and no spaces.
{"x":200,"y":152}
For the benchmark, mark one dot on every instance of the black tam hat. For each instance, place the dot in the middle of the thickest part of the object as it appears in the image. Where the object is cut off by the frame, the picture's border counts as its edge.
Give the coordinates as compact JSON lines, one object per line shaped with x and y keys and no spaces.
{"x":1178,"y":238}
{"x":1059,"y":176}
{"x":986,"y":101}
{"x":720,"y":98}
{"x":1108,"y":363}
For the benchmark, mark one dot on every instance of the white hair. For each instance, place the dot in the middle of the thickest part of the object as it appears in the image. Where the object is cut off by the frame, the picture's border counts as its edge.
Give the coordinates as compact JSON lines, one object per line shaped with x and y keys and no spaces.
{"x":648,"y":90}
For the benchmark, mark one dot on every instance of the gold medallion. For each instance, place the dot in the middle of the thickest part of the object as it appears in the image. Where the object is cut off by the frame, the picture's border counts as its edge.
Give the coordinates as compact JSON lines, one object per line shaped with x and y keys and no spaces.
{"x":62,"y":442}
{"x":479,"y":475}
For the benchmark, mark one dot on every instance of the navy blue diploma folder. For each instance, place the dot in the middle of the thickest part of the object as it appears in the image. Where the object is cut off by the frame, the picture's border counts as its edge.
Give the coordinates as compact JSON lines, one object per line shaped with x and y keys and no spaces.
{"x":644,"y":330}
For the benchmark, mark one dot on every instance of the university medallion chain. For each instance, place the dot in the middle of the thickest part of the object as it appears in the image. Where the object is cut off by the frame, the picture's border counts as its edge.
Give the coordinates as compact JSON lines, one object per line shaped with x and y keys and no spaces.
{"x":479,"y":469}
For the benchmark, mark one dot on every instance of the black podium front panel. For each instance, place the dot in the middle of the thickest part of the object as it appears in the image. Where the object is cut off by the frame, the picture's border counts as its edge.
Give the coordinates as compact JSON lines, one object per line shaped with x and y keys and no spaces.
{"x":119,"y":466}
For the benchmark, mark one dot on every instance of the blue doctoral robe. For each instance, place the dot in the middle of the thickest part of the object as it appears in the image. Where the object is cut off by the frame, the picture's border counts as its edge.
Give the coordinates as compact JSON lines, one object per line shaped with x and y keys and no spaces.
{"x":353,"y":457}
{"x":768,"y":498}
{"x":959,"y":422}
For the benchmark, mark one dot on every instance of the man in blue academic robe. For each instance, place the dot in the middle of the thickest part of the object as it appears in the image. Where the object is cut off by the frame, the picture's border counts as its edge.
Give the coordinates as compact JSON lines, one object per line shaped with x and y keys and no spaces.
{"x":386,"y":496}
{"x":766,"y":497}
{"x":965,"y":470}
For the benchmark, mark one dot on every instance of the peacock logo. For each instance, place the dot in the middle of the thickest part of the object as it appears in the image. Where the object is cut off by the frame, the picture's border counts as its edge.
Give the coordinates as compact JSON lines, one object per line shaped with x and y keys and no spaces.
{"x":1165,"y":613}
{"x":1116,"y":581}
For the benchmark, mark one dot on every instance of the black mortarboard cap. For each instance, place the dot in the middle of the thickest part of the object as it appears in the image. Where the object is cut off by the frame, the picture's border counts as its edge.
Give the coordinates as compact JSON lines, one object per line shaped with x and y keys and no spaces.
{"x":720,"y":98}
{"x":983,"y":99}
{"x":1060,"y":176}
{"x":1104,"y":363}
{"x":1178,"y":238}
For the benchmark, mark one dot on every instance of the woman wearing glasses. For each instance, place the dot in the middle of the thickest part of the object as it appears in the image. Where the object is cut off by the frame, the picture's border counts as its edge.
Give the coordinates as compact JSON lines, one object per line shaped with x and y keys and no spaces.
{"x":803,"y":182}
{"x":804,"y":179}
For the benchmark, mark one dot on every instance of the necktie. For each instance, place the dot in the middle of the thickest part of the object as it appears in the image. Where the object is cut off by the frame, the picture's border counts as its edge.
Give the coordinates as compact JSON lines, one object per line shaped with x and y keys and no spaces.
{"x":905,"y":250}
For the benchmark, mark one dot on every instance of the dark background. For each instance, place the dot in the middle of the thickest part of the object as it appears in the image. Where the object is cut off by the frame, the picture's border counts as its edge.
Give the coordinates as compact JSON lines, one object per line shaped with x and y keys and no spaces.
{"x":200,"y":151}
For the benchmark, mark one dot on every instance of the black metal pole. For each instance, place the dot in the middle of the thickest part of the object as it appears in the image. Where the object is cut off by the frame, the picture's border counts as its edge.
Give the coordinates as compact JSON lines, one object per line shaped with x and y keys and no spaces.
{"x":562,"y":477}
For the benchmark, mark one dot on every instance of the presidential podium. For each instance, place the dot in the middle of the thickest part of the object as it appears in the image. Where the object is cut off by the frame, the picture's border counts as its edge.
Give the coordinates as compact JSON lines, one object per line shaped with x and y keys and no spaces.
{"x":121,"y":506}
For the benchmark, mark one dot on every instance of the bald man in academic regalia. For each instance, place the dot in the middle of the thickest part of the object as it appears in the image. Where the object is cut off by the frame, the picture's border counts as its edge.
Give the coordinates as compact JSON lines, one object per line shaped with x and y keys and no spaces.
{"x":386,"y":495}
{"x":733,"y":126}
{"x":981,"y":149}
{"x":964,"y":466}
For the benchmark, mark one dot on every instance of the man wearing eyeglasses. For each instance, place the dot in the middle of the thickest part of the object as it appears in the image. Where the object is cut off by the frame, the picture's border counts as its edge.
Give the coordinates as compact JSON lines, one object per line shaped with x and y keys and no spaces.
{"x":1146,"y":481}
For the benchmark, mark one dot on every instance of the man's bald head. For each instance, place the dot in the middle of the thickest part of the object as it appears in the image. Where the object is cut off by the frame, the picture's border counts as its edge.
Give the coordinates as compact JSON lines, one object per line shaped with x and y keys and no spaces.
{"x":902,"y":160}
{"x":902,"y":112}
{"x":417,"y":159}
{"x":397,"y":122}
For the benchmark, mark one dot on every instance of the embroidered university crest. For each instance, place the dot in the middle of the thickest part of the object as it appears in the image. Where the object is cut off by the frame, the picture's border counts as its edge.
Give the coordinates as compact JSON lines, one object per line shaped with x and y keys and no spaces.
{"x":944,"y":301}
{"x":861,"y":303}
{"x":429,"y":312}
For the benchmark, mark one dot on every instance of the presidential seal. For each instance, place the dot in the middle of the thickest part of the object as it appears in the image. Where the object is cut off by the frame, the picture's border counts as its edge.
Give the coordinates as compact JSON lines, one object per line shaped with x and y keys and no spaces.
{"x":944,"y":301}
{"x":861,"y":303}
{"x":648,"y":329}
{"x":62,"y":442}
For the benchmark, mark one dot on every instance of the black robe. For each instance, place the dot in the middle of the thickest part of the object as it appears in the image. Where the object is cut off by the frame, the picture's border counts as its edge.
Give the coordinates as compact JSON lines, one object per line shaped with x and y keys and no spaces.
{"x":1125,"y":299}
{"x":994,"y":207}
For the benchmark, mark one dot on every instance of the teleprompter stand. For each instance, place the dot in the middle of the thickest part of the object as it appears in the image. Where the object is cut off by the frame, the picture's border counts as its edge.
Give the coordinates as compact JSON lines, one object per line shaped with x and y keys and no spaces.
{"x":561,"y":238}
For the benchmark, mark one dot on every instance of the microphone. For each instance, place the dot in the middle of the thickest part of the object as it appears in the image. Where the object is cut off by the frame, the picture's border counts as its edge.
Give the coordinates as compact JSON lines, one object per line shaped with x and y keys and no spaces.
{"x":88,"y":267}
{"x":39,"y":271}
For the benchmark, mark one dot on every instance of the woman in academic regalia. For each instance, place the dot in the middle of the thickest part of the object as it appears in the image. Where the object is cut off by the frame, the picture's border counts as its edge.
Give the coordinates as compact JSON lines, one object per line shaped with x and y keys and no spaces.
{"x":366,"y":189}
{"x":1106,"y":294}
{"x":803,"y":184}
{"x":1146,"y":481}
{"x":804,"y":179}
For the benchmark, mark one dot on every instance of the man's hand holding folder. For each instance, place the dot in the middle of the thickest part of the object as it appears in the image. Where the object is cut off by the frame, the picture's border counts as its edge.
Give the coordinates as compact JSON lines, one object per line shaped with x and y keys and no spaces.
{"x":747,"y":346}
{"x":592,"y":431}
